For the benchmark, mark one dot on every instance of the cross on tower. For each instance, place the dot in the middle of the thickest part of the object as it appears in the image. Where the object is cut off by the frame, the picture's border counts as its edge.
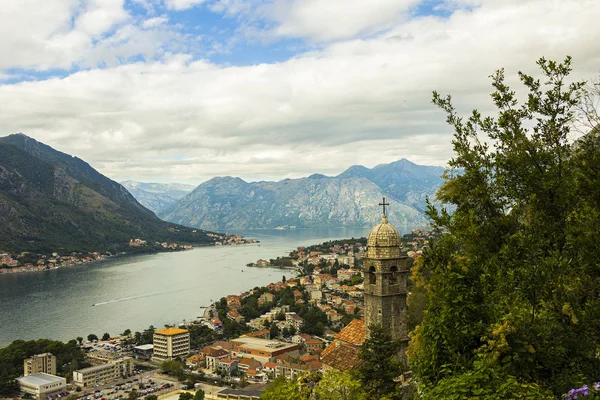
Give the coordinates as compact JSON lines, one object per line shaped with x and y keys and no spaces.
{"x":384,"y":204}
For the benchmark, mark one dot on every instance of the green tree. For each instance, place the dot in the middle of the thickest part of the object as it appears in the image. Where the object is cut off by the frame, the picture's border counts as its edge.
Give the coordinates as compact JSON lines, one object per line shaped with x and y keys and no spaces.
{"x":133,"y":395}
{"x":152,"y":397}
{"x":185,"y":396}
{"x":106,"y":336}
{"x":91,"y":337}
{"x":274,"y":331}
{"x":288,"y":389}
{"x":199,"y":395}
{"x":512,"y":285}
{"x":79,"y":340}
{"x":337,"y":385}
{"x":126,"y":332}
{"x":173,"y":367}
{"x":380,"y":367}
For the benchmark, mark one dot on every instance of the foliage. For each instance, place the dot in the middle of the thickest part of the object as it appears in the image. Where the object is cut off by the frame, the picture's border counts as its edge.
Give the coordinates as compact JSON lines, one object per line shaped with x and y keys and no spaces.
{"x":68,"y":358}
{"x":488,"y":383}
{"x":337,"y":385}
{"x":282,"y":388}
{"x":92,"y":337}
{"x":315,"y":320}
{"x":513,"y":285}
{"x":106,"y":336}
{"x":199,"y":395}
{"x":145,"y":337}
{"x":133,"y":395}
{"x":185,"y":396}
{"x":334,"y":385}
{"x":173,"y":367}
{"x":380,"y":367}
{"x":152,"y":397}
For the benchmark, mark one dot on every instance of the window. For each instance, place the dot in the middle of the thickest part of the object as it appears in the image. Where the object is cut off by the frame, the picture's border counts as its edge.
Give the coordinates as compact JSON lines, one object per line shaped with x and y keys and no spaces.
{"x":372,"y":276}
{"x":394,"y":277}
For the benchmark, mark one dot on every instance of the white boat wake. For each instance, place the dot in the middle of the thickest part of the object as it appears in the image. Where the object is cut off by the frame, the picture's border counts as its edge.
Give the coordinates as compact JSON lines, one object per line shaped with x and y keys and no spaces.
{"x":102,"y":303}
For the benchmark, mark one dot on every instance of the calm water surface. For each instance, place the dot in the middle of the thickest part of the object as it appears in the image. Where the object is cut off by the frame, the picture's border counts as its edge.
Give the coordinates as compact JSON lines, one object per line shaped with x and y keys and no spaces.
{"x":140,"y":291}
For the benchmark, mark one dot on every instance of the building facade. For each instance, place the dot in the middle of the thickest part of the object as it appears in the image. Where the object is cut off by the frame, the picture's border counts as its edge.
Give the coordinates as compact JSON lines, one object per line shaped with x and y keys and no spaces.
{"x":40,"y":363}
{"x":39,"y":385}
{"x":171,"y":343}
{"x":386,"y":274}
{"x":118,"y":368}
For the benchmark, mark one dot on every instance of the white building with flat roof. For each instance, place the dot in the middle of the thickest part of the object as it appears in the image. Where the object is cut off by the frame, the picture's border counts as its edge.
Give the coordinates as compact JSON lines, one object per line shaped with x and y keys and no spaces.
{"x":171,"y":343}
{"x":39,"y":385}
{"x":118,"y":368}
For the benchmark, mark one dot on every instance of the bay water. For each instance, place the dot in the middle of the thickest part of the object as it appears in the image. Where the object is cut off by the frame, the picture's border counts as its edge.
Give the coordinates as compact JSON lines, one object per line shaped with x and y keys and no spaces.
{"x":136,"y":292}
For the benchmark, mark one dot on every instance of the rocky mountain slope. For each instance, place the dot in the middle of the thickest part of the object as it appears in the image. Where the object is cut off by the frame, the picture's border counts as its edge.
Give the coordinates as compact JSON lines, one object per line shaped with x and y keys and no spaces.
{"x":157,"y":196}
{"x":51,"y":201}
{"x":350,"y":199}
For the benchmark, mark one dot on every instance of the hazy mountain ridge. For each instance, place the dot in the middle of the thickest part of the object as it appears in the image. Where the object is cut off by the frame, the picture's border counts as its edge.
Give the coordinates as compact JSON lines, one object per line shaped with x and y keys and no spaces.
{"x":157,"y":196}
{"x":51,"y":201}
{"x":350,"y":199}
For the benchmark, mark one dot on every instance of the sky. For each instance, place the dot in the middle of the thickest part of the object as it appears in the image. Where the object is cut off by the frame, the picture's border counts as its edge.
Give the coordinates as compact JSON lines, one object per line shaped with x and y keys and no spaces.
{"x":185,"y":90}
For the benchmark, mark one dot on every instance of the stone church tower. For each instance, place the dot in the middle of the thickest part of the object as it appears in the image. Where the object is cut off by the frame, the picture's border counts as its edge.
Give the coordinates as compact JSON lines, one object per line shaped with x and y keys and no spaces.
{"x":386,"y":276}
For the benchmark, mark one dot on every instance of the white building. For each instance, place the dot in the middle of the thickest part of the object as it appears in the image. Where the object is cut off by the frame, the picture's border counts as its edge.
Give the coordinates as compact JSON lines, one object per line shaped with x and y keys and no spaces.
{"x":39,"y":385}
{"x":118,"y":368}
{"x":171,"y":343}
{"x":45,"y":363}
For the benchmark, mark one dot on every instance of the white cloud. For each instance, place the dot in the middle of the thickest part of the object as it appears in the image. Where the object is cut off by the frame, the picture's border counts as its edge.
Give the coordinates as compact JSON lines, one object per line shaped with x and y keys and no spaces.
{"x":62,"y":34}
{"x":180,"y":5}
{"x":326,"y":20}
{"x":359,"y":101}
{"x":155,"y":21}
{"x":100,"y":16}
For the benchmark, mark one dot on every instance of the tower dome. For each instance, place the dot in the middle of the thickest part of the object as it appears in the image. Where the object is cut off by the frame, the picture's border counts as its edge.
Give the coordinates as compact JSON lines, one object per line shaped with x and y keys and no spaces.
{"x":383,"y":241}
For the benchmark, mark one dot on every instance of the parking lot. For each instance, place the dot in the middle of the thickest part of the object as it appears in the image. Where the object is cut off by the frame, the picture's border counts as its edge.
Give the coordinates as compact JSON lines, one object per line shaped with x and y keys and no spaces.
{"x":144,"y":383}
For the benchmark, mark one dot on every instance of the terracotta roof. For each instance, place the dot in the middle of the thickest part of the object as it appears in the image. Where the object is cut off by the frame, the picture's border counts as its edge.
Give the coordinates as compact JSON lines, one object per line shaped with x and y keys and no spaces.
{"x":314,"y":365}
{"x":309,"y":357}
{"x":270,"y":364}
{"x":171,"y":331}
{"x":223,"y":344}
{"x":341,"y":356}
{"x":212,"y":352}
{"x":195,"y":358}
{"x":250,"y":362}
{"x":354,"y":333}
{"x":258,"y":333}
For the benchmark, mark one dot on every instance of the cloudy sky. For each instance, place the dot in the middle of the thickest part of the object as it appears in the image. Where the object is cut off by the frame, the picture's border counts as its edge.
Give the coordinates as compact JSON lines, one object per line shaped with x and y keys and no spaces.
{"x":184,"y":90}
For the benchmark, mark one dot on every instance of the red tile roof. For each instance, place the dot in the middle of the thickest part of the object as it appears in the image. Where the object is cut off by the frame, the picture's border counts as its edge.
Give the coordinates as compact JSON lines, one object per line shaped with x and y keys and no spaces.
{"x":341,"y":356}
{"x":354,"y":333}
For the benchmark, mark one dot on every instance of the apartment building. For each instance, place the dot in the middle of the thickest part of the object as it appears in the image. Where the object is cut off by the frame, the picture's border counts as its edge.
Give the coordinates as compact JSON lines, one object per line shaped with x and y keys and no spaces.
{"x":171,"y":343}
{"x":117,"y":368}
{"x":40,"y":363}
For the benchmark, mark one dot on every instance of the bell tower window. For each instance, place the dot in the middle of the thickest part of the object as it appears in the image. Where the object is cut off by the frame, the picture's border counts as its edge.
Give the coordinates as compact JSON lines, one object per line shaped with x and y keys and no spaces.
{"x":394,"y":275}
{"x":372,"y":276}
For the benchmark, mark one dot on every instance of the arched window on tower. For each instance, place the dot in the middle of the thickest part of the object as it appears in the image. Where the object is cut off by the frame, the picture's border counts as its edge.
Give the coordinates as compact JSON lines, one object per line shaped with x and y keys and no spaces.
{"x":394,"y":275}
{"x":372,"y":276}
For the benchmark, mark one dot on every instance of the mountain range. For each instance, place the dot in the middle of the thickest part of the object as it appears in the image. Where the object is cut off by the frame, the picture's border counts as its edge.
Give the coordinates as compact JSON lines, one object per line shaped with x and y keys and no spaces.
{"x":53,"y":202}
{"x":349,"y":199}
{"x":157,"y":196}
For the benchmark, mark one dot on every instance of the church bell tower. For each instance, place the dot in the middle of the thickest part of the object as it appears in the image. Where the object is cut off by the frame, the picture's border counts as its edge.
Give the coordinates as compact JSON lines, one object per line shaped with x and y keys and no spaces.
{"x":386,"y":276}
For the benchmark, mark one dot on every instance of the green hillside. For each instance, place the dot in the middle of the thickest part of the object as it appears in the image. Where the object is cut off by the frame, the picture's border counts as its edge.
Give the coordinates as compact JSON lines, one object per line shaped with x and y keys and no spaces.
{"x":53,"y":202}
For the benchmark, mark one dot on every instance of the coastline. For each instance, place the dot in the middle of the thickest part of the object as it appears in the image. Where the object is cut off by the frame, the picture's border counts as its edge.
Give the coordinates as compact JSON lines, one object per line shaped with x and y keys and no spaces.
{"x":41,"y":268}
